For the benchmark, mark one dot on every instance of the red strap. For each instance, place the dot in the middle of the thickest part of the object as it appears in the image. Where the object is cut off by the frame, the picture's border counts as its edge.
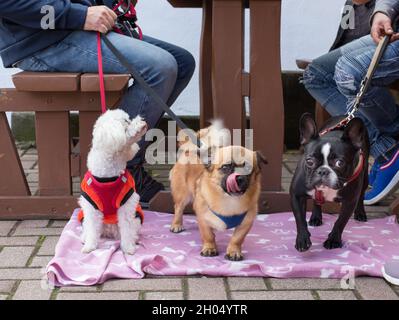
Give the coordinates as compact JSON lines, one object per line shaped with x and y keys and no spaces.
{"x":319,"y":197}
{"x":358,"y":169}
{"x":101,"y":74}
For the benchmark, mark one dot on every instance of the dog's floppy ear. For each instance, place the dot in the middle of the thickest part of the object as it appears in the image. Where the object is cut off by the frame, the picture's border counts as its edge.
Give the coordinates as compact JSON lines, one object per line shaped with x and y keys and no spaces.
{"x":307,"y":128}
{"x":355,"y":132}
{"x":260,"y":158}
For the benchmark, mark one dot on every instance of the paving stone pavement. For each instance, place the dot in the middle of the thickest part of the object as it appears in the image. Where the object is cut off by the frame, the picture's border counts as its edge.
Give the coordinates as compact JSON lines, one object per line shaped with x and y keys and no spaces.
{"x":27,"y":246}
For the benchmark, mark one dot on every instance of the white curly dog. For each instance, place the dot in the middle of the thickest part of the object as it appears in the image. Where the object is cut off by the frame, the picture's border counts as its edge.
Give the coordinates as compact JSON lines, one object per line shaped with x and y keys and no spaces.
{"x":114,"y":143}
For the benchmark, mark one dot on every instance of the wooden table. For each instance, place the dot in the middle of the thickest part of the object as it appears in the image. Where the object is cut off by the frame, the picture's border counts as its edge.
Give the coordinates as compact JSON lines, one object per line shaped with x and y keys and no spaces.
{"x":224,"y":84}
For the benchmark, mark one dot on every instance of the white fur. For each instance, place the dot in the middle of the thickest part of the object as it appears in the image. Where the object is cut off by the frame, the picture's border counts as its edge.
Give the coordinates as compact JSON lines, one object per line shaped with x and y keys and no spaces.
{"x":325,"y":150}
{"x":329,"y":194}
{"x":114,"y":142}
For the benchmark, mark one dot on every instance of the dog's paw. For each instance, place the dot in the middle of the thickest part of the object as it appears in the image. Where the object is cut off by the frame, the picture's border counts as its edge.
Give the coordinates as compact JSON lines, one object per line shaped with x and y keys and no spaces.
{"x":209,"y":252}
{"x":233,"y":253}
{"x":332,"y":243}
{"x":137,"y":128}
{"x":89,"y":247}
{"x":128,"y":248}
{"x":234,"y":256}
{"x":362,"y":217}
{"x":303,"y":243}
{"x":176,"y":228}
{"x":315,"y":221}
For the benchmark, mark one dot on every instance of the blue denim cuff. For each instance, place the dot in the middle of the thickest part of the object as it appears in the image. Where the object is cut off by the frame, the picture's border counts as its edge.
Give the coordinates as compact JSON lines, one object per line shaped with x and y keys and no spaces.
{"x":382,"y":146}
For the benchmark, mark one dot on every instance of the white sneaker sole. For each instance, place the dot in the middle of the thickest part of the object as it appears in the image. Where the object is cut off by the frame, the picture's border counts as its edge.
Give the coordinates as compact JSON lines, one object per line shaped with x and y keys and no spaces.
{"x":388,"y":278}
{"x":390,"y":188}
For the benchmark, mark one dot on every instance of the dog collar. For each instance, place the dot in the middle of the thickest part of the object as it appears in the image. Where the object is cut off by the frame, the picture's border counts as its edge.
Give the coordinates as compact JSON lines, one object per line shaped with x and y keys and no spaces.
{"x":358,"y":170}
{"x":232,"y":221}
{"x":319,"y":194}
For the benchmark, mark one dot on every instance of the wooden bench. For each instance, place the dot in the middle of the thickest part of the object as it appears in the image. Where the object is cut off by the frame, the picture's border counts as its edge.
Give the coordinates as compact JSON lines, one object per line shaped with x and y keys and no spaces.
{"x":52,"y":96}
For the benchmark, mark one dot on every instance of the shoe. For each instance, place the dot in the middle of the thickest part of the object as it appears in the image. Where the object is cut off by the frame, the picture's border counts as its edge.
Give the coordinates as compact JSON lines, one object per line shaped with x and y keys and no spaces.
{"x":373,"y":172}
{"x":390,"y":271}
{"x":146,"y":186}
{"x":385,"y":182}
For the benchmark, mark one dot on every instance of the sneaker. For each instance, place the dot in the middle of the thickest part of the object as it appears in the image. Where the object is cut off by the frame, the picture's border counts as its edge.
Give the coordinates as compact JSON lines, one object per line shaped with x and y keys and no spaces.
{"x":146,"y":186}
{"x":385,"y":182}
{"x":373,"y":172}
{"x":390,"y":271}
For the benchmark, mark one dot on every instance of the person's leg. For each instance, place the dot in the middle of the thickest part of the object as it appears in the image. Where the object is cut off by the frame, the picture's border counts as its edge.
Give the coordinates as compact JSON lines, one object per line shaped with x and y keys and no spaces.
{"x":78,"y":53}
{"x":185,"y":69}
{"x":185,"y":65}
{"x":378,"y":104}
{"x":380,"y":108}
{"x":319,"y":81}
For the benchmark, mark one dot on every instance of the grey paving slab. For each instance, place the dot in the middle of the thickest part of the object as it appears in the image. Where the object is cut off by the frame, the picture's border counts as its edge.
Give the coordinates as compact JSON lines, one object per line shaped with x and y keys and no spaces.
{"x":206,"y":289}
{"x":337,"y":295}
{"x":98,"y":296}
{"x":32,"y":290}
{"x":15,"y":256}
{"x":48,"y":246}
{"x":149,"y":284}
{"x":272,"y":295}
{"x":375,"y":289}
{"x":163,"y":295}
{"x":18,"y":241}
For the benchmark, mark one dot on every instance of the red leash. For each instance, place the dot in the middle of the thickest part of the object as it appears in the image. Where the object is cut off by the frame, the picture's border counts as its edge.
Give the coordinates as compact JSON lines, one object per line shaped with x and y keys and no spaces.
{"x":101,"y":74}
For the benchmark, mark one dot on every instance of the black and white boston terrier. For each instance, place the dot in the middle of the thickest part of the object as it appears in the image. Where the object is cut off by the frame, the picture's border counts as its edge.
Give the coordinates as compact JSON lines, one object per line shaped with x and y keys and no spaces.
{"x":334,"y":168}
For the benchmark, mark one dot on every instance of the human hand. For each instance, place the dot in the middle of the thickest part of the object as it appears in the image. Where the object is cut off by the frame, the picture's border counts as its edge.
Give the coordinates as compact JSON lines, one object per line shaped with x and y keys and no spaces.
{"x":100,"y":18}
{"x":382,"y":26}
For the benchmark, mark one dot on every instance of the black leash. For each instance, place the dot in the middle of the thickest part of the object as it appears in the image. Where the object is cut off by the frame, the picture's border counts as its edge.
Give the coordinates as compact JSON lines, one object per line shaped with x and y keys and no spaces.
{"x":151,"y":92}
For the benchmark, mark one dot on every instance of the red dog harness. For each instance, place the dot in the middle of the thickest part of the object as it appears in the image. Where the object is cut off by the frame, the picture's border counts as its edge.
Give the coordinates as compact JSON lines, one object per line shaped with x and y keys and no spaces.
{"x":108,"y":196}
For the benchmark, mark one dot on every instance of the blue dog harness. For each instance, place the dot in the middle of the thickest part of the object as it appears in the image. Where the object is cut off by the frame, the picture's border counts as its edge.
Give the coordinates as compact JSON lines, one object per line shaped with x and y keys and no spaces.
{"x":233,"y":221}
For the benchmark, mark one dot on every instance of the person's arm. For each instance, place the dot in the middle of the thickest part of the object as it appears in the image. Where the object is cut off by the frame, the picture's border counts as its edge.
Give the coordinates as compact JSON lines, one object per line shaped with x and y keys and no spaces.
{"x":67,"y":15}
{"x":388,"y":7}
{"x":385,"y":12}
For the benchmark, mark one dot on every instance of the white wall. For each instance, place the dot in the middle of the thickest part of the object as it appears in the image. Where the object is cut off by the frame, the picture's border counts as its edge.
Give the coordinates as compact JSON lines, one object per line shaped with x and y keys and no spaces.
{"x":308,"y":29}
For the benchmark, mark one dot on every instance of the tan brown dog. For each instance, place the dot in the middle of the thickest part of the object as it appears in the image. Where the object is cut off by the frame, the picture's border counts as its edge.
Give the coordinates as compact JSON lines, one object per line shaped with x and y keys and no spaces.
{"x":225,"y":195}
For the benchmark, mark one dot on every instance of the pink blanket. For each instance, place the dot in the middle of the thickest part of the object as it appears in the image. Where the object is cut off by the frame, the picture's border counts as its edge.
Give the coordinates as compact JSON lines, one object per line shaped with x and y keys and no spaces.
{"x":269,"y":251}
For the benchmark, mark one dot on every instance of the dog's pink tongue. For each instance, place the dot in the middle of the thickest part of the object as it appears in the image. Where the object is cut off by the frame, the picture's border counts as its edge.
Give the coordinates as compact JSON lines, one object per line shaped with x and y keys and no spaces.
{"x":231,"y":183}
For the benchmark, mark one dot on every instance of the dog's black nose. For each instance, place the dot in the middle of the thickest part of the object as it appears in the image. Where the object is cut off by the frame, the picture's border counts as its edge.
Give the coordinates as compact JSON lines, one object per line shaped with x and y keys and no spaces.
{"x":242,"y":182}
{"x":323,"y":172}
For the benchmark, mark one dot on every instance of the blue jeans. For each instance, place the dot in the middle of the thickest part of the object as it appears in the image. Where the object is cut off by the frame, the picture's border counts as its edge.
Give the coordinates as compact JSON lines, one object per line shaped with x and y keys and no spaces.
{"x":166,"y":68}
{"x":334,"y":80}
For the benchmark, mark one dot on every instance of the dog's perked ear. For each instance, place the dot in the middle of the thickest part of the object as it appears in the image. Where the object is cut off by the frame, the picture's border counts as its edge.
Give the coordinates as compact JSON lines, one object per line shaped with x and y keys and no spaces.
{"x":355,"y":133}
{"x":260,"y":159}
{"x":205,"y":157}
{"x":307,"y":129}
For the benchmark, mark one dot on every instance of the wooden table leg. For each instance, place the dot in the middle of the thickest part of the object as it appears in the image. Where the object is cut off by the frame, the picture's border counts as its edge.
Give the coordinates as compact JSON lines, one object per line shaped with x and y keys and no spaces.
{"x":206,"y":103}
{"x":266,"y":92}
{"x":228,"y":62}
{"x":11,"y":171}
{"x":86,"y":123}
{"x":53,"y":148}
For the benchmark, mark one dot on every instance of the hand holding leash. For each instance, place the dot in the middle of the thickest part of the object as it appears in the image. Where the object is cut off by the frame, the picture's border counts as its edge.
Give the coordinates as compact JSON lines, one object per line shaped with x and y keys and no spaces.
{"x":100,"y":18}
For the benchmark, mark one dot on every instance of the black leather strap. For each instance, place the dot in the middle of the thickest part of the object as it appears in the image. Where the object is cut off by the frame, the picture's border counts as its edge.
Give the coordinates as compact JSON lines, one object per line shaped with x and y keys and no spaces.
{"x":151,"y":92}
